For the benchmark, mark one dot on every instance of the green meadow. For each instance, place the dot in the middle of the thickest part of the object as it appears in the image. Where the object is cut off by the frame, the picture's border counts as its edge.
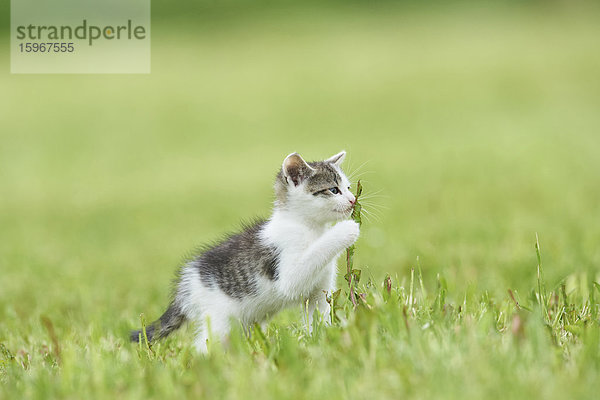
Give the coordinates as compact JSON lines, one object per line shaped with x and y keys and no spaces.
{"x":474,"y":129}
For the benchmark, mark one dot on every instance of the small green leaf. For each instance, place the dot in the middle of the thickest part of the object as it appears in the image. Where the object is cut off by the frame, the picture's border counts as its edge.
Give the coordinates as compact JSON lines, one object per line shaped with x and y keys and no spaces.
{"x":574,"y":329}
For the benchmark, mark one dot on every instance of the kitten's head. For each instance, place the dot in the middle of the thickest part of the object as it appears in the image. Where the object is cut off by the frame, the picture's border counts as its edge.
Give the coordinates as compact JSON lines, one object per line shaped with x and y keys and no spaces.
{"x":318,"y":191}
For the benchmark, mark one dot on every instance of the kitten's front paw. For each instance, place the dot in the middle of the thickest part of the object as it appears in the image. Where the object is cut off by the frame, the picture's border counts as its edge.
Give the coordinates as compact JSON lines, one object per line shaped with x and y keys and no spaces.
{"x":348,"y":232}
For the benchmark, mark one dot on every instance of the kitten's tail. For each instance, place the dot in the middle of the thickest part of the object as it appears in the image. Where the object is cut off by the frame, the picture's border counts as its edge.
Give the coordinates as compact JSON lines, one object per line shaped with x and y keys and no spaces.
{"x":171,"y":320}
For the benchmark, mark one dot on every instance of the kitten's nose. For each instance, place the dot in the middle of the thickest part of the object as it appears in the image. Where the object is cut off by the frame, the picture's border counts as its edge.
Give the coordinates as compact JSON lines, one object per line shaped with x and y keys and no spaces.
{"x":352,"y":200}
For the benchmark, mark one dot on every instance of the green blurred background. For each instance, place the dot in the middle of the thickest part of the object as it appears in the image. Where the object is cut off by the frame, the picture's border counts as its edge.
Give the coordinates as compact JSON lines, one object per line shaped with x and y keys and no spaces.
{"x":477,"y":124}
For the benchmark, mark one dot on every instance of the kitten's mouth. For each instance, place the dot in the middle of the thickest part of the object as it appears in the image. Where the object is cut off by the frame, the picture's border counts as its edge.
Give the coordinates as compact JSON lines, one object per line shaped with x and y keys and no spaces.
{"x":346,"y":210}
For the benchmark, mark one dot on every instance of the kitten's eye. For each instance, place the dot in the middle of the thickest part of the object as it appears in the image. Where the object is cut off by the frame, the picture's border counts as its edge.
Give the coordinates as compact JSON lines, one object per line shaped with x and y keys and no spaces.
{"x":334,"y":190}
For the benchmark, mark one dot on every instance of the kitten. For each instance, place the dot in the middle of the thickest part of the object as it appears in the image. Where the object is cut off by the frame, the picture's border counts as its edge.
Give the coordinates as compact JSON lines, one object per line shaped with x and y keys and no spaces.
{"x":286,"y":260}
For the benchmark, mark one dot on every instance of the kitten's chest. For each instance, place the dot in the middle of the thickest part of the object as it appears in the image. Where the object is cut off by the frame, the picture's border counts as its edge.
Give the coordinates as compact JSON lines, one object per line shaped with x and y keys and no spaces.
{"x":295,"y":245}
{"x":289,"y":238}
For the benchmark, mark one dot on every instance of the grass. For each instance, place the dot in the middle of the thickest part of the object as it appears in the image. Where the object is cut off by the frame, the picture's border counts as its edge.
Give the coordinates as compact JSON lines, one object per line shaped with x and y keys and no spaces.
{"x":477,"y":125}
{"x":398,"y":340}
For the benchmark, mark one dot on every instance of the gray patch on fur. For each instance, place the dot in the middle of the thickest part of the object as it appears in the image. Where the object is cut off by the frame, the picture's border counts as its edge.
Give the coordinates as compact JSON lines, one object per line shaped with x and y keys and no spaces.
{"x":235,"y":264}
{"x":325,"y":178}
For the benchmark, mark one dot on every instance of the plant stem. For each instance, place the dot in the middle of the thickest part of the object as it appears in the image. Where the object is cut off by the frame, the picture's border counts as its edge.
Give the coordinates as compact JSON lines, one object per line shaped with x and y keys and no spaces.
{"x":350,"y":272}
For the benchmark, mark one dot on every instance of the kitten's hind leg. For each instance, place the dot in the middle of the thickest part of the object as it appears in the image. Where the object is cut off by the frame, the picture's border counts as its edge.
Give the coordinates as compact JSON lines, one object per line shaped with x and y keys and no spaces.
{"x":318,"y":298}
{"x":215,"y":327}
{"x":317,"y":302}
{"x":201,"y":340}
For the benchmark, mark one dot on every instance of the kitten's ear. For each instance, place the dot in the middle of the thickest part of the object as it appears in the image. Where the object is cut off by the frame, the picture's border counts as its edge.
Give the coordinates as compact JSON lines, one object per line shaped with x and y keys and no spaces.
{"x":337,"y":159}
{"x":295,"y":169}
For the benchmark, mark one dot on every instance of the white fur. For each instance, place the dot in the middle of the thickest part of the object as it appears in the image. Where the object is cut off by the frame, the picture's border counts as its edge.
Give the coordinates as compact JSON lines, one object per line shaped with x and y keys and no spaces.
{"x":309,"y":245}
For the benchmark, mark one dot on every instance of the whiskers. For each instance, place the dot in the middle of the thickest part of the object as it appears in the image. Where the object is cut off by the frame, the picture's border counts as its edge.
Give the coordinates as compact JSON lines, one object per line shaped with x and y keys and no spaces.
{"x":357,"y":173}
{"x":371,"y":205}
{"x":371,"y":211}
{"x":371,"y":202}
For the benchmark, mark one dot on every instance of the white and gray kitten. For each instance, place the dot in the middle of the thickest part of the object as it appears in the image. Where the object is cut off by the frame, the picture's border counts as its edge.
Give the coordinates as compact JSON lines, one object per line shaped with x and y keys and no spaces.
{"x":286,"y":260}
